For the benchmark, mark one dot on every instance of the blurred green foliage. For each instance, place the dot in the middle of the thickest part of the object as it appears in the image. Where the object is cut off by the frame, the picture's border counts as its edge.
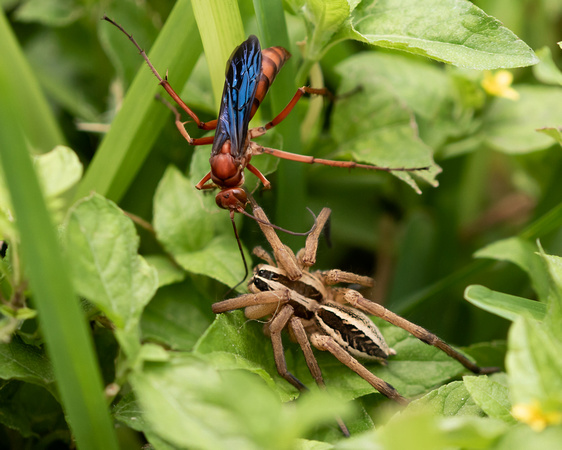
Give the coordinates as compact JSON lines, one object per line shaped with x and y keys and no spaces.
{"x":473,"y":94}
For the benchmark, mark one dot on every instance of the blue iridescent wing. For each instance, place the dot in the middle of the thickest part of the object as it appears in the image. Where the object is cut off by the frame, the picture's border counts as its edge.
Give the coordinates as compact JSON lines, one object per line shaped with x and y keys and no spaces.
{"x":242,"y":75}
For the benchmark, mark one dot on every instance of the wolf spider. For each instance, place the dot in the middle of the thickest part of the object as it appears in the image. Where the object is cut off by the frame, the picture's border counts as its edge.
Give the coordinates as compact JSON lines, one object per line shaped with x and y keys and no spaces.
{"x":315,"y":312}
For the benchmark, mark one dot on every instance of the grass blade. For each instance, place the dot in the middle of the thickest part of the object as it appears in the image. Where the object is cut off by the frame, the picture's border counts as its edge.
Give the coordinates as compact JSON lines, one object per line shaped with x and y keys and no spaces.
{"x":221,"y":29}
{"x":62,"y":322}
{"x":31,"y":110}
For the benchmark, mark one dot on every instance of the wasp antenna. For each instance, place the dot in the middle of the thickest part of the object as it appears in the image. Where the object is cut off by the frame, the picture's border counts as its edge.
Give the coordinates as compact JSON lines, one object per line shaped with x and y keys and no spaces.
{"x":246,"y":272}
{"x":277,"y":227}
{"x":139,"y":48}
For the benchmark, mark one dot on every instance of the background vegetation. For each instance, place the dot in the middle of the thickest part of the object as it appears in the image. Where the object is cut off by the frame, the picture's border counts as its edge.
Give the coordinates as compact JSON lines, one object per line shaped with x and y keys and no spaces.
{"x":482,"y":224}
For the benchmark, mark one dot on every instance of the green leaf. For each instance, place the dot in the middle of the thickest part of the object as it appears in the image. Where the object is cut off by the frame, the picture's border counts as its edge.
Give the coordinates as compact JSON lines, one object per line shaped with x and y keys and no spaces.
{"x":176,"y":317}
{"x":523,"y":253}
{"x":56,"y":13}
{"x":546,"y":70}
{"x":19,"y":361}
{"x":59,"y":172}
{"x":510,"y":126}
{"x":326,"y":19}
{"x":187,"y":223}
{"x":507,"y":306}
{"x":451,"y":31}
{"x":452,"y":399}
{"x":534,"y":365}
{"x":233,"y":334}
{"x":553,"y":132}
{"x":380,"y":128}
{"x":491,"y":396}
{"x":33,"y":411}
{"x":524,"y":438}
{"x":102,"y":244}
{"x":190,"y":404}
{"x":168,"y":271}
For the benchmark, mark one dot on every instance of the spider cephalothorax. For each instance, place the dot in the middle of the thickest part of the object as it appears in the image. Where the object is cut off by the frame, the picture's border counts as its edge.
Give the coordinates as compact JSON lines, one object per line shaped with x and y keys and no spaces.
{"x":315,"y":311}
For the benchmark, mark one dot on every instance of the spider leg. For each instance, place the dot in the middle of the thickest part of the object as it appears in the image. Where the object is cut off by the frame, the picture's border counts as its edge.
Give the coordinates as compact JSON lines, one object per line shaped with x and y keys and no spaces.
{"x":299,"y":333}
{"x":326,"y":343}
{"x":275,"y":327}
{"x":336,"y":276}
{"x":358,"y":301}
{"x":245,"y":300}
{"x":307,"y":256}
{"x":261,"y":253}
{"x":284,"y":255}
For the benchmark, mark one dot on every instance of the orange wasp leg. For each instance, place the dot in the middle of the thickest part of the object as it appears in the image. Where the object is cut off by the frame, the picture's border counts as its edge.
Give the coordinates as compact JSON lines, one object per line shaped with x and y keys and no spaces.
{"x":257,"y":173}
{"x":300,"y":92}
{"x":257,"y":149}
{"x":181,"y":126}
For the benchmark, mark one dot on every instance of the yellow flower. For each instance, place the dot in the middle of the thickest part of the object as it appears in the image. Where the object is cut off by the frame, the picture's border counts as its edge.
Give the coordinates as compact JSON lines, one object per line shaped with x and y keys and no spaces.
{"x":533,"y":415}
{"x":499,"y":84}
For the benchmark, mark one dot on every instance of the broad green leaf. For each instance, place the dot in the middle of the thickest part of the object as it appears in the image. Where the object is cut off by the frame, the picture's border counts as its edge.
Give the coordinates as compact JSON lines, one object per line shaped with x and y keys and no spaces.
{"x":379,"y":128}
{"x":507,"y":306}
{"x":181,"y":219}
{"x":19,"y":361}
{"x":546,"y":70}
{"x":50,"y":12}
{"x":32,"y":411}
{"x":188,"y":223}
{"x":452,"y":399}
{"x":452,"y":31}
{"x":423,"y":431}
{"x":190,"y":404}
{"x":176,"y":316}
{"x":491,"y":396}
{"x":510,"y":126}
{"x":59,"y":172}
{"x":524,"y":254}
{"x":534,"y":365}
{"x":168,"y":271}
{"x":553,"y":132}
{"x":430,"y":91}
{"x":326,"y":18}
{"x":524,"y":438}
{"x":102,"y":244}
{"x":233,"y":334}
{"x":129,"y":412}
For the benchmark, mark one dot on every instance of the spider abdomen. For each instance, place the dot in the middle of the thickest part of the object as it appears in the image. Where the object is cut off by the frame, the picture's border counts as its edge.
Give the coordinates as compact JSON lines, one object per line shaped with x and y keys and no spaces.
{"x":353,"y":331}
